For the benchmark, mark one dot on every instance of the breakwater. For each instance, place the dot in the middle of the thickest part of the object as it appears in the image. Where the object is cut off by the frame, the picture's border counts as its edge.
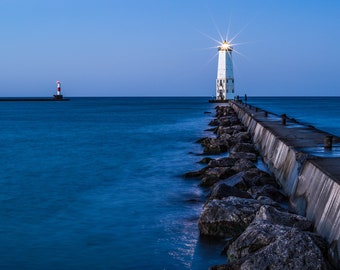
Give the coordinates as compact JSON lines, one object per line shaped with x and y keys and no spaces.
{"x":247,"y":207}
{"x":32,"y":99}
{"x":307,"y":172}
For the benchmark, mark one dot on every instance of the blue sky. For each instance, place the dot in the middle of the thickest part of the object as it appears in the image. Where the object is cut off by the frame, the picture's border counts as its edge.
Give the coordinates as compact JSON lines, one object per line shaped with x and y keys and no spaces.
{"x":161,"y":48}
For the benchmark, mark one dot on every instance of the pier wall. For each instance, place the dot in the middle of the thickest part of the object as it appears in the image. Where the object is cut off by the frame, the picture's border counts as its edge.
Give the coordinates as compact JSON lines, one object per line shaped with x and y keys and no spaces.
{"x":312,"y":190}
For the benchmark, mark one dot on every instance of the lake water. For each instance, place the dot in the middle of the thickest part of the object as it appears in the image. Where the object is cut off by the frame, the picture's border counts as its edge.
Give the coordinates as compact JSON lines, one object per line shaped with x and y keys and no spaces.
{"x":96,"y":183}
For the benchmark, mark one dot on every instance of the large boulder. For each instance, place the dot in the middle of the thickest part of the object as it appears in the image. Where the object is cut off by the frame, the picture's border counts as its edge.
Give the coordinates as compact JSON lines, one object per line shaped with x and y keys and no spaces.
{"x":244,"y":147}
{"x":243,"y":155}
{"x":205,"y":160}
{"x":214,"y":122}
{"x":227,"y":217}
{"x":269,"y":191}
{"x":292,"y":250}
{"x":213,"y":175}
{"x":195,"y":174}
{"x":256,"y":177}
{"x":242,"y":165}
{"x":257,"y":235}
{"x":268,"y":201}
{"x":231,"y":130}
{"x":234,"y":180}
{"x":274,"y":216}
{"x":224,"y":130}
{"x":222,"y":190}
{"x":212,"y":146}
{"x":222,"y":162}
{"x":243,"y":137}
{"x":224,"y":140}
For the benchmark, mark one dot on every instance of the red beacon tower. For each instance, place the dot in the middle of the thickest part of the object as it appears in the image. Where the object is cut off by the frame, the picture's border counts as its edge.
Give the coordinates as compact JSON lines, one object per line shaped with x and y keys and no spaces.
{"x":58,"y":96}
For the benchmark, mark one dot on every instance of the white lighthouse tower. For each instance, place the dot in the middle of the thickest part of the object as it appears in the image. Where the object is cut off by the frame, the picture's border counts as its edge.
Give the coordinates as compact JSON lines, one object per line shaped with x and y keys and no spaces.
{"x":225,"y":75}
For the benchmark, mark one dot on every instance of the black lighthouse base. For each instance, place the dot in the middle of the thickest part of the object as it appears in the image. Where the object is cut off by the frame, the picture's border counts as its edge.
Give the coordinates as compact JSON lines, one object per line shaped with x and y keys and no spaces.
{"x":218,"y":101}
{"x":58,"y":97}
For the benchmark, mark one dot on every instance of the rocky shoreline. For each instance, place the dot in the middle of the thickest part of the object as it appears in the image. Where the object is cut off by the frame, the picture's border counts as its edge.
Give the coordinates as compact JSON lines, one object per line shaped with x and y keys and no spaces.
{"x":247,"y":208}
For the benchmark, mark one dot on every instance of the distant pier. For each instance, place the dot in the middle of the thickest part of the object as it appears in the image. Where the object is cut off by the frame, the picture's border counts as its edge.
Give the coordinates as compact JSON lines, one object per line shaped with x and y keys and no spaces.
{"x":32,"y":99}
{"x":306,"y":161}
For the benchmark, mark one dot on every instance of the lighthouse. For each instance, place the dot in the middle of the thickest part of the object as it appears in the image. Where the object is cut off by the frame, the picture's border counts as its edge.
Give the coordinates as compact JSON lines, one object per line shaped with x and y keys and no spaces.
{"x":58,"y":96}
{"x":225,"y":75}
{"x":58,"y":88}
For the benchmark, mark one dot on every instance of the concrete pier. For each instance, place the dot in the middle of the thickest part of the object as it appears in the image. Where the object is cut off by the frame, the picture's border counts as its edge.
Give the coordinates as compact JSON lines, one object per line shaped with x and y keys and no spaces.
{"x":306,"y":162}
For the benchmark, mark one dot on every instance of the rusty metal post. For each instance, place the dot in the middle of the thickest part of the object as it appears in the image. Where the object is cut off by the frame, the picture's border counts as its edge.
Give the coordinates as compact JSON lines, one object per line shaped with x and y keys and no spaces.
{"x":328,"y":142}
{"x":283,"y":119}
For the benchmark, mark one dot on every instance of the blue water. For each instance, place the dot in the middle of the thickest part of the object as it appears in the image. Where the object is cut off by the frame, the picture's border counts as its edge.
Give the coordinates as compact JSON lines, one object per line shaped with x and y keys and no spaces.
{"x":95,"y":183}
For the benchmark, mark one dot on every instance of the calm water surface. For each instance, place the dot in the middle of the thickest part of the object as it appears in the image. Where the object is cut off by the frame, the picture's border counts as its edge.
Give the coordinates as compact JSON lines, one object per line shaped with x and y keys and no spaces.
{"x":95,"y":183}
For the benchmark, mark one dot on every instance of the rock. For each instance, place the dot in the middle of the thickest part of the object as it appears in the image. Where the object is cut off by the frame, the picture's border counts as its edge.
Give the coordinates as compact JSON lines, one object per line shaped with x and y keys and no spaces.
{"x":213,"y":175}
{"x":224,"y":140}
{"x":274,"y":216}
{"x":224,"y":130}
{"x":243,"y":165}
{"x":243,"y":137}
{"x":195,"y":174}
{"x":268,"y":201}
{"x":205,"y":160}
{"x":258,"y":235}
{"x":320,"y":242}
{"x":233,"y":120}
{"x":224,"y":110}
{"x":255,"y":172}
{"x":243,"y":155}
{"x":261,"y":180}
{"x":238,"y":128}
{"x":256,"y":177}
{"x":292,"y":250}
{"x":269,"y":191}
{"x":227,"y":217}
{"x":234,"y":180}
{"x":214,"y":122}
{"x":229,"y":266}
{"x":209,"y":181}
{"x":243,"y":147}
{"x":212,"y":146}
{"x":203,"y":140}
{"x":231,"y":130}
{"x":222,"y":190}
{"x":212,"y":149}
{"x":222,"y":162}
{"x":206,"y":141}
{"x":224,"y":137}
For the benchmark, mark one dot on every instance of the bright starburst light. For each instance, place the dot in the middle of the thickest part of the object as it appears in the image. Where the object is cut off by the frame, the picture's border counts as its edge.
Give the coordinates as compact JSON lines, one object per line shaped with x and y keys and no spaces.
{"x":224,"y":42}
